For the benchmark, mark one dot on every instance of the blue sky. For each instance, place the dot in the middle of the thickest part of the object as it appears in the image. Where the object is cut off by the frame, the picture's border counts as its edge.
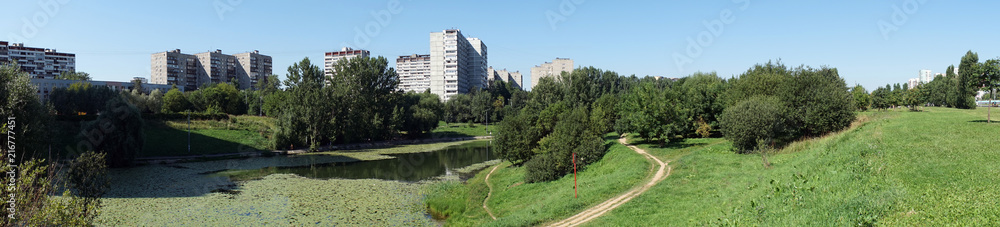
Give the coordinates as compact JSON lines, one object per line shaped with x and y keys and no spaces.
{"x":113,"y":40}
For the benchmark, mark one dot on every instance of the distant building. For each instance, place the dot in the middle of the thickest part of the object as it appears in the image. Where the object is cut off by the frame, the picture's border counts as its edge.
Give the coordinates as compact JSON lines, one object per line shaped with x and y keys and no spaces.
{"x":925,"y":76}
{"x":913,"y":83}
{"x":458,"y":64}
{"x":414,"y":72}
{"x":37,"y":62}
{"x":46,"y":86}
{"x":551,"y":69}
{"x":331,"y":58}
{"x":512,"y":78}
{"x":191,"y":71}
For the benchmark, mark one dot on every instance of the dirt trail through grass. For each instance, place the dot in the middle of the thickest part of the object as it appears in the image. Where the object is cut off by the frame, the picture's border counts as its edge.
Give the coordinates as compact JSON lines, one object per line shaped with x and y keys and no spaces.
{"x":490,"y":193}
{"x":662,"y":172}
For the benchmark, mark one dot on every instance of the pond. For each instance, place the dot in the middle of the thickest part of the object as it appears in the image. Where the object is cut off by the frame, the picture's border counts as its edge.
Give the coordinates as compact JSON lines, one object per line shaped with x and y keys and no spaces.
{"x":408,"y":167}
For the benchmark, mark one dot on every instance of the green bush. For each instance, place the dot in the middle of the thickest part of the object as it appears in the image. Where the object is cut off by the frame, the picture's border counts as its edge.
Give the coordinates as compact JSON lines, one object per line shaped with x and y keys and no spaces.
{"x":88,"y":175}
{"x":760,"y":120}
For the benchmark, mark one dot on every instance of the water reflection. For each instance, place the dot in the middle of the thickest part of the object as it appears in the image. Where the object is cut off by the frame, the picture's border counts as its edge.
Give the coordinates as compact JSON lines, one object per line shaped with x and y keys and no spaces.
{"x":404,"y":167}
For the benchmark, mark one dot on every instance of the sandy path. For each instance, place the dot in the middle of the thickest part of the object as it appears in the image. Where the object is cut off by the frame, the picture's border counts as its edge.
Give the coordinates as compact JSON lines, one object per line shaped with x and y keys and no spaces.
{"x":490,"y":193}
{"x":590,"y":214}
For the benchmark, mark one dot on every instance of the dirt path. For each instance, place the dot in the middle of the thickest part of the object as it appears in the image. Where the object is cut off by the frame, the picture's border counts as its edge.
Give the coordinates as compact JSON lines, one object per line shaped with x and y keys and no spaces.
{"x":590,"y":214}
{"x":490,"y":193}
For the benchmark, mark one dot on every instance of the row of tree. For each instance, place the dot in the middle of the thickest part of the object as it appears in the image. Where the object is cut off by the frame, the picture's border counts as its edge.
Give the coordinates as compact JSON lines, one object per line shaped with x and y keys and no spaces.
{"x":766,"y":107}
{"x":950,"y":90}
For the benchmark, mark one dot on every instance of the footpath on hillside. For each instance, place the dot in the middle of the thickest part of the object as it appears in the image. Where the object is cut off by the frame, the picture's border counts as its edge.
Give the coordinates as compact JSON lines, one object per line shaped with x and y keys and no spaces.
{"x":662,"y":172}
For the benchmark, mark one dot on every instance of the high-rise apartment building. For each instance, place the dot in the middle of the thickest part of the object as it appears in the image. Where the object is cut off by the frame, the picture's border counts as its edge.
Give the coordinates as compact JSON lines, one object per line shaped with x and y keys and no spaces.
{"x":925,"y":76}
{"x":551,"y":69}
{"x":331,"y":58}
{"x":458,"y":64}
{"x":252,"y":68}
{"x":512,"y":78}
{"x":37,"y":62}
{"x":414,"y":72}
{"x":193,"y":70}
{"x":913,"y":83}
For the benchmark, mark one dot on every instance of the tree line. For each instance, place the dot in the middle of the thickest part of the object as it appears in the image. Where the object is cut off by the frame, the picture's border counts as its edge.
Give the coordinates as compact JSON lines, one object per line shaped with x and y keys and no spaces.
{"x":764,"y":108}
{"x":953,"y":90}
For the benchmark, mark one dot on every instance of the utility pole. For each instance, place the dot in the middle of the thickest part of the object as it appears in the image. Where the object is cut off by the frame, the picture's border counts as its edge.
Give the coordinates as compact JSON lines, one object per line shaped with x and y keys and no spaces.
{"x":189,"y":131}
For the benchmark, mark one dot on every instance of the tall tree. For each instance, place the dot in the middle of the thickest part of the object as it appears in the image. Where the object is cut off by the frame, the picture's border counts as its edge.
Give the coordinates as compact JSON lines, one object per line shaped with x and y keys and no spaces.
{"x":989,"y":80}
{"x":967,"y":77}
{"x":861,"y":97}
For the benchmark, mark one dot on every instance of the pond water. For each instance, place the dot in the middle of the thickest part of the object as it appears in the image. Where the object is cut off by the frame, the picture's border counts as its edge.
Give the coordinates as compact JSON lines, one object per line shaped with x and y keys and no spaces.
{"x":409,"y":167}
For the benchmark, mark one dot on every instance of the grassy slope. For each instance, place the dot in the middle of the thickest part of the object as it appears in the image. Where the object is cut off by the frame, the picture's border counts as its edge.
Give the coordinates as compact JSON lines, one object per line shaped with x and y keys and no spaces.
{"x":900,"y":168}
{"x":459,"y":130}
{"x":515,"y":203}
{"x":169,"y":138}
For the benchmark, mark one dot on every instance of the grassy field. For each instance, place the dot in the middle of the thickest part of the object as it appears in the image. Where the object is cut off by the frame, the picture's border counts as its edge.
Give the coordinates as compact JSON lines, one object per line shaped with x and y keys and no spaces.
{"x":899,"y":168}
{"x":199,"y":194}
{"x":519,"y":204}
{"x":460,"y":130}
{"x":895,"y":168}
{"x":239,"y":134}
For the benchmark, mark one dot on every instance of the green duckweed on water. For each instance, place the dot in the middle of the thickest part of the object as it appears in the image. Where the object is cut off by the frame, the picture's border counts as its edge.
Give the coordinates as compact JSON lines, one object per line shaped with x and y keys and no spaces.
{"x":196,"y":194}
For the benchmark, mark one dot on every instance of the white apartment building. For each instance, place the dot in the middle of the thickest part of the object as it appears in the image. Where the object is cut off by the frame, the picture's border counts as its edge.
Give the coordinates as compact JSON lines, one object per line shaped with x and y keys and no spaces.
{"x":414,"y":72}
{"x":551,"y":69}
{"x":926,"y":76}
{"x":913,"y":83}
{"x":190,"y":71}
{"x":458,"y":64}
{"x":37,"y":62}
{"x":331,"y":58}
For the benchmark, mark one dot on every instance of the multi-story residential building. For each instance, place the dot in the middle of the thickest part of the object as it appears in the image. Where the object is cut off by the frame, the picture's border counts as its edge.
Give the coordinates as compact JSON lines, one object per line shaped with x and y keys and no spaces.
{"x":46,"y":86}
{"x":925,"y":76}
{"x":253,"y":67}
{"x":414,"y":72}
{"x":332,"y":58}
{"x":913,"y":83}
{"x":37,"y":62}
{"x":512,"y":78}
{"x":190,"y":71}
{"x":551,"y":69}
{"x":458,"y":64}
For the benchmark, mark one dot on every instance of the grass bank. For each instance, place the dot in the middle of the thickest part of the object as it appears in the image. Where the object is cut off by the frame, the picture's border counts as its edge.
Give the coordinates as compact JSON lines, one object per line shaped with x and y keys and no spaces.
{"x":899,"y":168}
{"x":519,"y":204}
{"x":238,"y":134}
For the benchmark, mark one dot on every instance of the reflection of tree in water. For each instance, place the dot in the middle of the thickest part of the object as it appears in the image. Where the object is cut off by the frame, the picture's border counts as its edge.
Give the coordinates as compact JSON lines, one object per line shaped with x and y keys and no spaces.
{"x":405,"y":167}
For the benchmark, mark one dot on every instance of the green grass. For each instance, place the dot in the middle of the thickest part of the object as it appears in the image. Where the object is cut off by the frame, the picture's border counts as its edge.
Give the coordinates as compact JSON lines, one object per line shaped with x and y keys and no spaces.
{"x":165,"y":140}
{"x":896,"y":168}
{"x":519,"y":204}
{"x":899,"y":168}
{"x":445,"y":130}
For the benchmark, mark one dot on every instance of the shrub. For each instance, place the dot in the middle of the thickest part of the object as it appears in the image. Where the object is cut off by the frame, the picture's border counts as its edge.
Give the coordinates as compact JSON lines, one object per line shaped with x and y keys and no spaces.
{"x":760,"y":119}
{"x":88,"y":175}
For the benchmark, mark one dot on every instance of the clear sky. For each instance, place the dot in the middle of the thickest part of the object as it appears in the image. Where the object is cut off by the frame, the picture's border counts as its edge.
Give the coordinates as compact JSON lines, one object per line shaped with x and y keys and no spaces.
{"x":114,"y":40}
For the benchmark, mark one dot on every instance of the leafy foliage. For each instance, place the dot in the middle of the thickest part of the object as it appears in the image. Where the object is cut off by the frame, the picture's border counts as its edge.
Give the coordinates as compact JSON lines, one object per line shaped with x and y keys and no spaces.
{"x":116,"y":132}
{"x":756,"y":122}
